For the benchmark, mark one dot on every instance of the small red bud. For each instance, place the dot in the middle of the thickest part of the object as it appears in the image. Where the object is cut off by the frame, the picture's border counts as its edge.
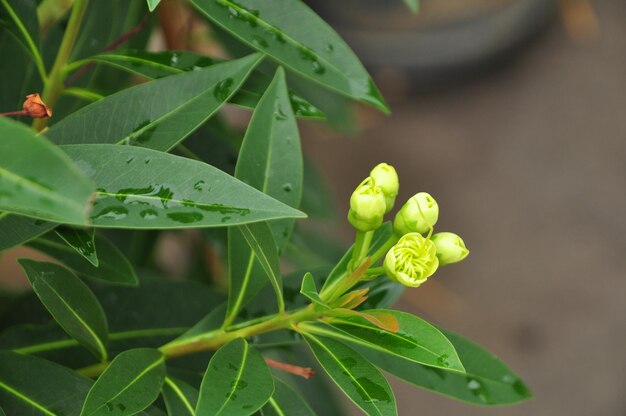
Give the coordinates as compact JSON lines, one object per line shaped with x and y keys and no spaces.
{"x":34,"y":107}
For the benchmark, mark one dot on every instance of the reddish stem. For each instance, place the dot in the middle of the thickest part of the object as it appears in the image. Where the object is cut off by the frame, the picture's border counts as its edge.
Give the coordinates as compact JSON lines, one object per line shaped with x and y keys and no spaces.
{"x":111,"y":46}
{"x":14,"y":113}
{"x":305,"y":372}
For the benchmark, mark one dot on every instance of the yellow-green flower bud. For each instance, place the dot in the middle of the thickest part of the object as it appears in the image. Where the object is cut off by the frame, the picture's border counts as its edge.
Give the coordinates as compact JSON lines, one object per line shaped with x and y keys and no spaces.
{"x":419,"y":214}
{"x":412,"y":260}
{"x":386,"y":178}
{"x":367,"y":206}
{"x":450,"y":248}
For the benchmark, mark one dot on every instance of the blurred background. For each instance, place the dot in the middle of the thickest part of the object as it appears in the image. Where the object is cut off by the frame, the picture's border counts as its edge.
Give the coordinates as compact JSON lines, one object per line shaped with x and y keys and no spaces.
{"x":512,"y":114}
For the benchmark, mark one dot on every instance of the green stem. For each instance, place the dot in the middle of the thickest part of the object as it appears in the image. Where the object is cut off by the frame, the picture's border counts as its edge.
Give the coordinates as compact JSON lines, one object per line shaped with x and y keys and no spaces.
{"x":384,"y":248}
{"x":215,"y":339}
{"x":53,"y":86}
{"x":34,"y":50}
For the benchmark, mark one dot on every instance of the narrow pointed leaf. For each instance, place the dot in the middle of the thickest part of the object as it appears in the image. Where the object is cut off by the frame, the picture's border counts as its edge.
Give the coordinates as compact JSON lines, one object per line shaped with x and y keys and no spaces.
{"x":309,"y":290}
{"x":157,"y":114}
{"x":154,"y":65}
{"x":16,"y":230}
{"x":114,"y":267}
{"x":81,"y":240}
{"x":487,"y":381}
{"x":259,"y":238}
{"x":143,"y":188}
{"x":416,"y":340}
{"x":34,"y":386}
{"x":72,"y":304}
{"x":363,"y":383}
{"x":286,"y":402}
{"x":129,"y":384}
{"x":34,"y":175}
{"x":270,"y":160}
{"x":300,"y":40}
{"x":152,"y":4}
{"x":20,"y":19}
{"x":179,"y":397}
{"x":236,"y":383}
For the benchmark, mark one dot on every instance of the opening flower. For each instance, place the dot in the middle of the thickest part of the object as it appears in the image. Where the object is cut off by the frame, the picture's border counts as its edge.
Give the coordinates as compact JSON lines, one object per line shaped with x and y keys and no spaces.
{"x":34,"y":107}
{"x":412,"y":260}
{"x":418,"y":215}
{"x":367,"y":206}
{"x":386,"y":178}
{"x":450,"y":248}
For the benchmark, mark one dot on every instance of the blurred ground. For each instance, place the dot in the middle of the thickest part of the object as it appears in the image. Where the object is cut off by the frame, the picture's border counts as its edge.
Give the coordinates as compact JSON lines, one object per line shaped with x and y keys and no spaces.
{"x":529,"y":166}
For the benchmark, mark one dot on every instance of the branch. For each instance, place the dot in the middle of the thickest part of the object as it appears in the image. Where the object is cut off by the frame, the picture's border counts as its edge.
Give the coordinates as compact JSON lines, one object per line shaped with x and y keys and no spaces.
{"x":305,"y":372}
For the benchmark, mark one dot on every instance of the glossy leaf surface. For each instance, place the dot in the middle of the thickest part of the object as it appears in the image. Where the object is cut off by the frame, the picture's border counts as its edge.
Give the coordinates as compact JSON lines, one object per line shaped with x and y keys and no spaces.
{"x":157,"y":114}
{"x":154,"y":65}
{"x":416,"y":340}
{"x":270,"y":160}
{"x":363,"y":383}
{"x":143,"y":188}
{"x":113,"y":268}
{"x":34,"y":175}
{"x":299,"y":39}
{"x":72,"y":304}
{"x":487,"y":381}
{"x":236,"y":383}
{"x":33,"y":386}
{"x":129,"y":384}
{"x":286,"y":401}
{"x":180,"y":398}
{"x":81,"y":240}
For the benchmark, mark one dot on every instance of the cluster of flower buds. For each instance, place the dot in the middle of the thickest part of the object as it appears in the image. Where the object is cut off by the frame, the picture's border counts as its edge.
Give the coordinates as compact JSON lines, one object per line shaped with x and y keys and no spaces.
{"x":417,"y":252}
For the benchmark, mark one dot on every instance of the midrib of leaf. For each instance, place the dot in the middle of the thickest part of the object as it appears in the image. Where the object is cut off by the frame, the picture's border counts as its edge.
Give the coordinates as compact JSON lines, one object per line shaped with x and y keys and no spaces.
{"x":276,"y":407}
{"x":188,"y":203}
{"x":239,"y":299}
{"x":180,"y":394}
{"x":26,"y":399}
{"x":133,"y":381}
{"x":113,"y":336}
{"x":99,"y":343}
{"x":409,"y":341}
{"x":102,"y":59}
{"x":39,"y":189}
{"x":346,"y":372}
{"x":234,"y":385}
{"x":286,"y":37}
{"x":190,"y":102}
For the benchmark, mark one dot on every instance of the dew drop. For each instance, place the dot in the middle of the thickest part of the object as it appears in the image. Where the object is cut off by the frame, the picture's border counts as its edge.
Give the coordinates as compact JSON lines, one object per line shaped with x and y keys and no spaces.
{"x":149,"y":214}
{"x":114,"y":213}
{"x":222,"y":89}
{"x":185,"y":217}
{"x":129,"y":160}
{"x":287,"y":187}
{"x":329,"y":48}
{"x":239,"y":384}
{"x":259,"y":41}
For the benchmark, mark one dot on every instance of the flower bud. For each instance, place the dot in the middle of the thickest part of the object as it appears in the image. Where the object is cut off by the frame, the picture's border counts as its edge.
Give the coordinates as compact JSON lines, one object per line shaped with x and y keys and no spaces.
{"x":419,"y":214}
{"x":34,"y":107}
{"x":386,"y":178}
{"x":367,"y":206}
{"x":450,"y":248}
{"x":412,"y":260}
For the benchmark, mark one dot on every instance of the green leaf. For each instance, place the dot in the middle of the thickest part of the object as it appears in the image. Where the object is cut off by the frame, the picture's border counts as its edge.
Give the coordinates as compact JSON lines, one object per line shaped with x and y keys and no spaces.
{"x":2,"y":412}
{"x":363,"y":383}
{"x":71,"y":303}
{"x":143,"y":188}
{"x":130,"y":384}
{"x":487,"y":381}
{"x":180,"y":398}
{"x":33,"y":386}
{"x":299,"y":39}
{"x":81,"y":240}
{"x":259,"y":238}
{"x":154,"y":65}
{"x":152,"y":4}
{"x":270,"y":160}
{"x":413,"y":5}
{"x":309,"y":290}
{"x":34,"y":175}
{"x":157,"y":114}
{"x":286,"y":402}
{"x":16,"y":230}
{"x":20,"y":19}
{"x":150,"y":325}
{"x":237,"y":382}
{"x":416,"y":340}
{"x":114,"y":267}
